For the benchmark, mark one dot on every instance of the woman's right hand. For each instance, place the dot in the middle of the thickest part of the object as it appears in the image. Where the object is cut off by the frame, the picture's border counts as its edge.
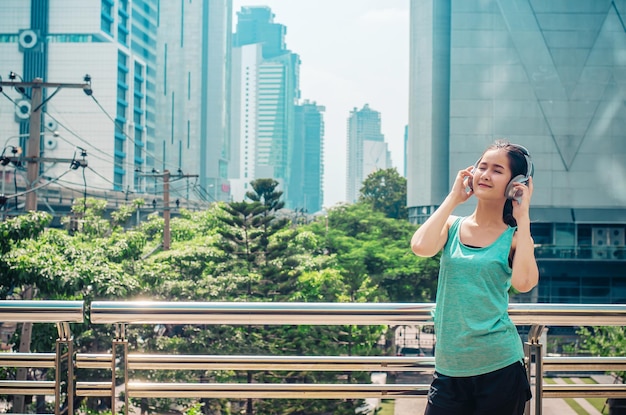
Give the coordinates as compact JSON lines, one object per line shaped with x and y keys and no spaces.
{"x":460,"y":189}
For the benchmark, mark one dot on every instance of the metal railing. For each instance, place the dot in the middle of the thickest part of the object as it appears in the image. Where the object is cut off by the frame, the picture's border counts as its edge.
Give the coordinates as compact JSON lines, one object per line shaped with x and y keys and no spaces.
{"x":61,"y":313}
{"x":120,"y":314}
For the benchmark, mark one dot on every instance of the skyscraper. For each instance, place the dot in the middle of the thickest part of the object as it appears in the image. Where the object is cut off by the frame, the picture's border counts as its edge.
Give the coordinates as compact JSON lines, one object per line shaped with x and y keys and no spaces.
{"x":194,"y":93}
{"x":276,"y":94}
{"x":307,"y":162}
{"x":366,"y":149}
{"x":546,"y":75}
{"x":155,"y":102}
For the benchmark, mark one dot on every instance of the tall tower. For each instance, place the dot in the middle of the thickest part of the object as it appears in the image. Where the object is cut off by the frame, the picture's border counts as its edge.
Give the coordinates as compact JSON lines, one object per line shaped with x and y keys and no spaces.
{"x":194,"y":93}
{"x":366,"y":149}
{"x":307,"y":162}
{"x":276,"y":94}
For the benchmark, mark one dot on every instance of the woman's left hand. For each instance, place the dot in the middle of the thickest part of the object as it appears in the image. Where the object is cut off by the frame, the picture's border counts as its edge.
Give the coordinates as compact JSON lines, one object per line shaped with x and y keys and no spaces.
{"x":521,"y":204}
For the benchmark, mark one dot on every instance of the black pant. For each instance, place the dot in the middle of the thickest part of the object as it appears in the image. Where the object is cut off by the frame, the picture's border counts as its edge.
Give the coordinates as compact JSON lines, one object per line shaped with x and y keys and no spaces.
{"x":501,"y":392}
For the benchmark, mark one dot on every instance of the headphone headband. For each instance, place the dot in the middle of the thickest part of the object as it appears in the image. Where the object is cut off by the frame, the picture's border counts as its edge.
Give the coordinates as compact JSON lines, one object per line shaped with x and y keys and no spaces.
{"x":530,"y":168}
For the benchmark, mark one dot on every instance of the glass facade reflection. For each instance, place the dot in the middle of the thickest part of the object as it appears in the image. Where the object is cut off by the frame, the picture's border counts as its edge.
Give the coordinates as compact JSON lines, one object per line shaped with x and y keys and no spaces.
{"x":547,"y":74}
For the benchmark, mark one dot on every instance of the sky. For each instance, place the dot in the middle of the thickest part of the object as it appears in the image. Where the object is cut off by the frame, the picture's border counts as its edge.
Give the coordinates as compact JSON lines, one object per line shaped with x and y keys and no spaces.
{"x":352,"y":53}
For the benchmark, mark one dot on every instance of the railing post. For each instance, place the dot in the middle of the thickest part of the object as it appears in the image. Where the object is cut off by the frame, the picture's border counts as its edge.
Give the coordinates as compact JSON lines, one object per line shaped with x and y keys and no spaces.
{"x":120,"y":341}
{"x":64,"y":354}
{"x":533,"y":351}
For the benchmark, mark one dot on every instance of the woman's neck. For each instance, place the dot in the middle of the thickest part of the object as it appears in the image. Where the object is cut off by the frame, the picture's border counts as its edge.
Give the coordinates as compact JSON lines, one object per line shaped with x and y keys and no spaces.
{"x":488,"y":213}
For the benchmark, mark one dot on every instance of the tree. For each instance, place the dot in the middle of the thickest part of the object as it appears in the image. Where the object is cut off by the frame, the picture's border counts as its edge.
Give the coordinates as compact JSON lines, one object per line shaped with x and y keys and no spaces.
{"x":603,"y":341}
{"x":385,"y":191}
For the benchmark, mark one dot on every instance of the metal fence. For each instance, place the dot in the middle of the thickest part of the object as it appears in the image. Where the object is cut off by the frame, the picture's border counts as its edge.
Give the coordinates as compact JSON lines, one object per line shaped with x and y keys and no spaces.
{"x":121,"y":314}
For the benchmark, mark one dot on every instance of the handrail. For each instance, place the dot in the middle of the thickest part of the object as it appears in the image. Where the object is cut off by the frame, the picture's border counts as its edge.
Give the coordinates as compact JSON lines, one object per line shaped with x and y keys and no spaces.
{"x":275,"y":390}
{"x":137,"y":361}
{"x":157,"y":312}
{"x":238,"y":313}
{"x":583,"y":363}
{"x":39,"y":360}
{"x":568,"y":314}
{"x":41,"y":311}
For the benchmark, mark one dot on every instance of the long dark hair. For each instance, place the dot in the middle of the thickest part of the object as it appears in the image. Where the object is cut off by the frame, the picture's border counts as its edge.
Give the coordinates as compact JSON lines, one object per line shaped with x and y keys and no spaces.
{"x":518,"y":165}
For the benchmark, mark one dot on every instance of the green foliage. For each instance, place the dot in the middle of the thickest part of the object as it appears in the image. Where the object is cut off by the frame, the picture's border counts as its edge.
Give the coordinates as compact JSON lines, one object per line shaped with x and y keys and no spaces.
{"x":603,"y":341}
{"x":241,"y":251}
{"x":385,"y":191}
{"x":372,"y":251}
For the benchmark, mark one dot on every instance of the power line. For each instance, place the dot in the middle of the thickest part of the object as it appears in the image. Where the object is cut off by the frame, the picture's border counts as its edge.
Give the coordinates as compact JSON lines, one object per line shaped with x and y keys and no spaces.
{"x":37,"y":102}
{"x":121,"y":130}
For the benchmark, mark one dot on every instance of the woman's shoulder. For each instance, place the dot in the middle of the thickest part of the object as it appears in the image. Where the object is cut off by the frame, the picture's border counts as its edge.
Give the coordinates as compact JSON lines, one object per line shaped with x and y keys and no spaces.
{"x":453,"y":219}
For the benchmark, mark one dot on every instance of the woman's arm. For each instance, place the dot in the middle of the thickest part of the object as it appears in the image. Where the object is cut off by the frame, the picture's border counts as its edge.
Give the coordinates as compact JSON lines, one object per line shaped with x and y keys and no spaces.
{"x":525,"y":271}
{"x":431,"y":236}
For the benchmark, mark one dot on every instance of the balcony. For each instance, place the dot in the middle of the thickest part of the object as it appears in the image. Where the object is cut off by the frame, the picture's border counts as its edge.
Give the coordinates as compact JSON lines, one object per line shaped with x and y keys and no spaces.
{"x":120,"y":363}
{"x":585,"y":252}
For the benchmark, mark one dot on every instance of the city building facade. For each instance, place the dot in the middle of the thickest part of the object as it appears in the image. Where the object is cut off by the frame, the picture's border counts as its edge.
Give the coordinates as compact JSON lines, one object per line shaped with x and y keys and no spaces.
{"x":307,"y":158}
{"x":276,"y":93}
{"x":41,"y":39}
{"x":193,"y":95}
{"x":366,"y":149}
{"x":155,"y":104}
{"x":548,"y":75}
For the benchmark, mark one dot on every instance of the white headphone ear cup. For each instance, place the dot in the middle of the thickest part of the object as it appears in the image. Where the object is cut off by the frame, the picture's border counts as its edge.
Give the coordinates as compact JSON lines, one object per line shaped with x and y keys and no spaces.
{"x":510,"y":192}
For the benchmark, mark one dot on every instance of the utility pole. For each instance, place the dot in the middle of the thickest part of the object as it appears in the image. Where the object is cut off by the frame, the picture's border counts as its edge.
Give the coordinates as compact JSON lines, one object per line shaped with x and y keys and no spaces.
{"x":166,"y":201}
{"x":166,"y":210}
{"x":34,"y":140}
{"x":34,"y":144}
{"x":32,"y":176}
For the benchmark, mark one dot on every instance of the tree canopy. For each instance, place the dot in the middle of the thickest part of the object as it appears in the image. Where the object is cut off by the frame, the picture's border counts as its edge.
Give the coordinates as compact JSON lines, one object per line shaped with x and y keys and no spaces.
{"x":238,"y":251}
{"x":385,"y":191}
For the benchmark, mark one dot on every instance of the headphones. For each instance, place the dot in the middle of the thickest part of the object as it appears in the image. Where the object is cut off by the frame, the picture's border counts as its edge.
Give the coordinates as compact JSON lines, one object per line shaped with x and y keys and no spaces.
{"x":510,"y":192}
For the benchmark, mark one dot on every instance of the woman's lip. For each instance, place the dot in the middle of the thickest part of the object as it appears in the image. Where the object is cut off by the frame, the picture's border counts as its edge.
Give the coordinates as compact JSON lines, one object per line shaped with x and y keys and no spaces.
{"x":483,"y":185}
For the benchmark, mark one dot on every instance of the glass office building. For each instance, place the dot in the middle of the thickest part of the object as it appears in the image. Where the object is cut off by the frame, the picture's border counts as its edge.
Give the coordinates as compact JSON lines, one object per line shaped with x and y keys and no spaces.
{"x":549,"y":75}
{"x":274,"y":75}
{"x":367,"y":150}
{"x":307,"y":158}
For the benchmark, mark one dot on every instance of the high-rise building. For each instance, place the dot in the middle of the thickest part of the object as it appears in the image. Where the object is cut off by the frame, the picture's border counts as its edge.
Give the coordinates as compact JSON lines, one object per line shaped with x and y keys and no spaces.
{"x":307,"y":161}
{"x":194,"y":93}
{"x":159,"y":79}
{"x":276,"y":94}
{"x":546,"y":75}
{"x":61,"y":44}
{"x":245,"y":68}
{"x":256,"y":25}
{"x":366,"y":150}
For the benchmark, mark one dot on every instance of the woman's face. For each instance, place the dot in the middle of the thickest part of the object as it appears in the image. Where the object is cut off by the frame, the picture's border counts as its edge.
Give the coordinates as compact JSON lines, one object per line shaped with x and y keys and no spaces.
{"x":492,"y":174}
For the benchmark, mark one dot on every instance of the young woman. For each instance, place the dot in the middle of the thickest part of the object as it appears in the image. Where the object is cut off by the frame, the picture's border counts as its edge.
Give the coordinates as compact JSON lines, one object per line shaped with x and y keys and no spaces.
{"x":479,"y":357}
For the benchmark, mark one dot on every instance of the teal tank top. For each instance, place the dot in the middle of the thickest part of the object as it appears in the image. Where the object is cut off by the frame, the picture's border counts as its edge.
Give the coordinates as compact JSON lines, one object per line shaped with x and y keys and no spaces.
{"x":473,"y":331}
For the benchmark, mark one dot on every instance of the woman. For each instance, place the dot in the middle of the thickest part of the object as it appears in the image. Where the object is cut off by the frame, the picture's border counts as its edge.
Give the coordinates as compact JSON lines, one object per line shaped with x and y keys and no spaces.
{"x":479,"y":358}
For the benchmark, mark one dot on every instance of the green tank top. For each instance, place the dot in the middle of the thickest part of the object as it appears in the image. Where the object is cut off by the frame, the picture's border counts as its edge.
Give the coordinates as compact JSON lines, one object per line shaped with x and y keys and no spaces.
{"x":473,"y":331}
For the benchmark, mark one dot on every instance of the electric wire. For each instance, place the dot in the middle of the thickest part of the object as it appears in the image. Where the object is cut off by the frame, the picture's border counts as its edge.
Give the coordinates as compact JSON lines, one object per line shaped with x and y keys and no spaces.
{"x":109,"y":160}
{"x":69,"y":130}
{"x":100,"y":176}
{"x":34,"y":189}
{"x":157,"y":159}
{"x":78,"y":186}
